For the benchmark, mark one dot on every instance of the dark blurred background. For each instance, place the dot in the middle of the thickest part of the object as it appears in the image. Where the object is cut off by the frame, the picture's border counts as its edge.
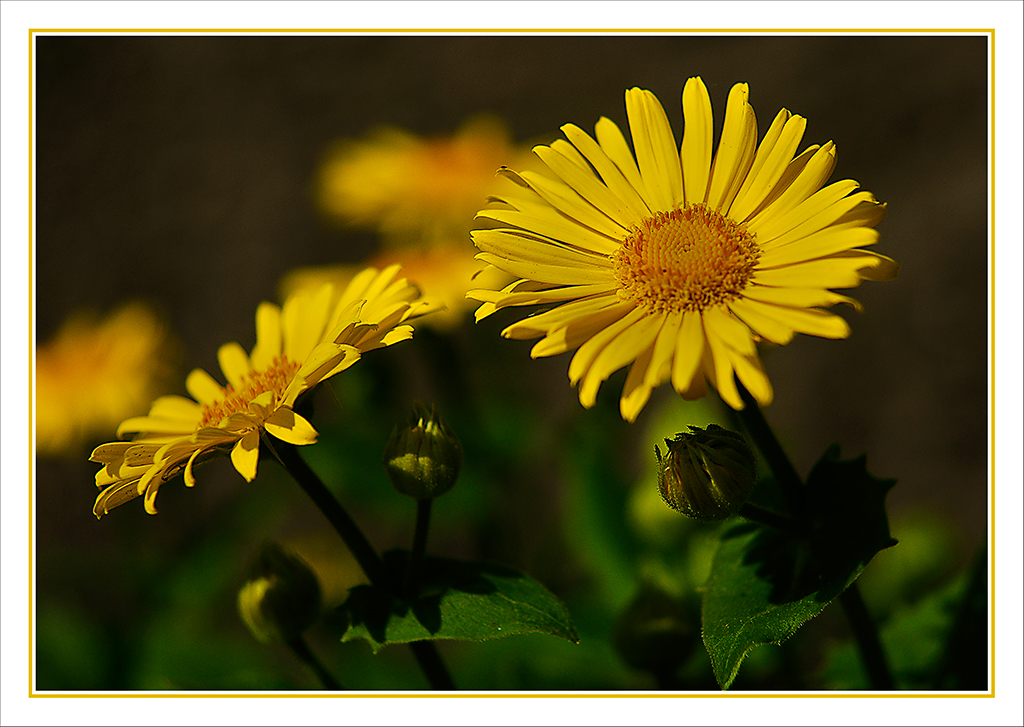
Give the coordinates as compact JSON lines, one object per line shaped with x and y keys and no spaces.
{"x":180,"y":170}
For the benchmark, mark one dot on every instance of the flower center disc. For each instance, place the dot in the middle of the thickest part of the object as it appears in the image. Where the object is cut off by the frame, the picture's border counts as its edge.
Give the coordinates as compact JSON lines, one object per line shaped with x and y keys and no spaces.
{"x":689,"y":259}
{"x":275,"y":378}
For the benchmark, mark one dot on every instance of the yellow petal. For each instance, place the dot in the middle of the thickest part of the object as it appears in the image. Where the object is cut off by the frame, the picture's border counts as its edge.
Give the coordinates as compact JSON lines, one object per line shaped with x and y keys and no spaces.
{"x":721,"y":369}
{"x":246,"y":453}
{"x":519,"y":245}
{"x":190,"y":478}
{"x":804,"y":176}
{"x":660,"y":366}
{"x":750,"y":372}
{"x":758,"y":316}
{"x":812,"y":321}
{"x":636,"y":392}
{"x":875,"y":267}
{"x":114,"y":496}
{"x":688,"y":352}
{"x":798,"y":297}
{"x":627,"y":346}
{"x":730,"y":330}
{"x":770,"y":162}
{"x":589,"y":187}
{"x":234,"y":363}
{"x":610,"y":137}
{"x":698,"y":141}
{"x":268,"y":336}
{"x":554,"y":274}
{"x":633,"y":204}
{"x":568,"y":201}
{"x":655,"y":148}
{"x":546,"y":221}
{"x":203,"y":388}
{"x":590,"y":350}
{"x":818,"y":245}
{"x":290,"y":427}
{"x":574,"y":333}
{"x":304,"y":320}
{"x":735,"y":150}
{"x":831,"y":272}
{"x":176,"y":408}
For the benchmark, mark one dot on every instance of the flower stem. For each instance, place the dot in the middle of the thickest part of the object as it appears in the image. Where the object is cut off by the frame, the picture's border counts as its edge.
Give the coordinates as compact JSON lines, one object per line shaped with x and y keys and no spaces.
{"x":866,"y":636}
{"x":786,"y":476}
{"x":432,"y":665}
{"x":419,"y":547}
{"x":425,"y":651}
{"x":301,"y":649}
{"x":357,"y":543}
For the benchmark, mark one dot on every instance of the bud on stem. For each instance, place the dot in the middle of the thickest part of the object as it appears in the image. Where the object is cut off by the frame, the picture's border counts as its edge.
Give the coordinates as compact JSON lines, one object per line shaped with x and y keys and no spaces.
{"x":707,"y":474}
{"x":424,"y":458}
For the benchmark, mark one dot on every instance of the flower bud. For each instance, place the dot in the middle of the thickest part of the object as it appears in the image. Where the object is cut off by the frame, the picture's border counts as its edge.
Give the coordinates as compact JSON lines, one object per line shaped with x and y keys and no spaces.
{"x":707,"y":474}
{"x":282,"y":598}
{"x":423,"y":459}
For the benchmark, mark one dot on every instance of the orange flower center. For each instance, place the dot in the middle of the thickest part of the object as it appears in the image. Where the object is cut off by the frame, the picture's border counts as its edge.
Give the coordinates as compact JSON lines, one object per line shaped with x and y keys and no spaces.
{"x":275,"y":378}
{"x":689,"y":259}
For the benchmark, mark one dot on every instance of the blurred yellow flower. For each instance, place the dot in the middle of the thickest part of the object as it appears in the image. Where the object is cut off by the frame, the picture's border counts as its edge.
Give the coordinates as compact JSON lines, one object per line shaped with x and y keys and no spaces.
{"x":420,"y":195}
{"x":678,"y":260}
{"x":94,"y":373}
{"x":313,"y":337}
{"x":416,"y":191}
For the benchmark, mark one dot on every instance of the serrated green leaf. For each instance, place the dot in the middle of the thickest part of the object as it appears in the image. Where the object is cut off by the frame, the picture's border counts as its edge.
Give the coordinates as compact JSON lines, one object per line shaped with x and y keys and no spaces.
{"x":457,"y":600}
{"x":766,"y":583}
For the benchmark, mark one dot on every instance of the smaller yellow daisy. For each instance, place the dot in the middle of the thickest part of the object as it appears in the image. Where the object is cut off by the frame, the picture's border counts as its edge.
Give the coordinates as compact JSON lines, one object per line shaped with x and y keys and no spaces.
{"x":313,"y":337}
{"x":94,"y":373}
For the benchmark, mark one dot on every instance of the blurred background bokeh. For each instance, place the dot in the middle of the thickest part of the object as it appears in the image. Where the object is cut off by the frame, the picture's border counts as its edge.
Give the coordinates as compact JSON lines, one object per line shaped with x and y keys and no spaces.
{"x":182,"y":173}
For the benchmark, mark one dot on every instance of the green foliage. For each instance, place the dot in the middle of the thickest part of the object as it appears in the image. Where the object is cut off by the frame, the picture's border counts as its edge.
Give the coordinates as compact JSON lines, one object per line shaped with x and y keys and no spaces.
{"x":457,"y":600}
{"x":766,"y":583}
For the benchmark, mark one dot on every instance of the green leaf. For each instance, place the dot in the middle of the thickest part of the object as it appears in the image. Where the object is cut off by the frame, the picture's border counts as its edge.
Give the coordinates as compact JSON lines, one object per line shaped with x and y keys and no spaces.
{"x":457,"y":600}
{"x":766,"y":583}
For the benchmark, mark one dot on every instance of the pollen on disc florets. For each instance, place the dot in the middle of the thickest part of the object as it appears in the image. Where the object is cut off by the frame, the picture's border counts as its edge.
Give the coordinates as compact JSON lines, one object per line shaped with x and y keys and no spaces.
{"x":275,"y":378}
{"x":689,"y":259}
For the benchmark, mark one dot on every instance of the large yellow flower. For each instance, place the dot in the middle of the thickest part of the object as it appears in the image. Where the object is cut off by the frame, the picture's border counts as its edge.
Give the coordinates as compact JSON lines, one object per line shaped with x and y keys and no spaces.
{"x":96,"y":372}
{"x":679,"y":260}
{"x":313,"y":337}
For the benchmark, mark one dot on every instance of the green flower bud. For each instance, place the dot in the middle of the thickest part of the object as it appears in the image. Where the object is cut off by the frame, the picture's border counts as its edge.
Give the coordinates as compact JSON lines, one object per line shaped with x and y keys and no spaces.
{"x":423,"y":459}
{"x":282,"y":598}
{"x":707,"y":474}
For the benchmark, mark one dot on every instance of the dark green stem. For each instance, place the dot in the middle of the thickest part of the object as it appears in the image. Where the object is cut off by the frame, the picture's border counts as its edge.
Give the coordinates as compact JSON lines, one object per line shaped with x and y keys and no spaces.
{"x":364,"y":553}
{"x":432,"y":666}
{"x":866,"y":636}
{"x":778,"y":461}
{"x":301,"y":649}
{"x":792,"y":487}
{"x":357,"y":543}
{"x":419,"y":547}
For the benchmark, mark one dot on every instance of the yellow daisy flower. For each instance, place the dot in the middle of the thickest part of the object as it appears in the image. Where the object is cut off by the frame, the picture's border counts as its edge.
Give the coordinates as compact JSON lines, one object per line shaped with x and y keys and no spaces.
{"x":420,"y":195}
{"x":313,"y":337}
{"x":415,"y":190}
{"x":96,"y":372}
{"x":679,"y":260}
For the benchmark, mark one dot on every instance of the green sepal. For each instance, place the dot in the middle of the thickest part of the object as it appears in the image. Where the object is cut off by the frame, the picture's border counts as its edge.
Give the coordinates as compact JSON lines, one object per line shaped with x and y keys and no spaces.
{"x":457,"y":600}
{"x":766,"y":583}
